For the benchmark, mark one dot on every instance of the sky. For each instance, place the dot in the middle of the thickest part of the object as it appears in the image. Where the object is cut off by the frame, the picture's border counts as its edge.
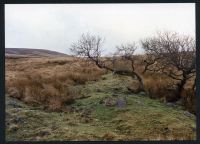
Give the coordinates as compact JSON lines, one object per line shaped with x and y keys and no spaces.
{"x":56,"y":26}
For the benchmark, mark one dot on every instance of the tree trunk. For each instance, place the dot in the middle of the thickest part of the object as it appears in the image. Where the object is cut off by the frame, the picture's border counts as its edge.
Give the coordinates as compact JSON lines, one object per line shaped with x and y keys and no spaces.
{"x":194,"y":85}
{"x":180,"y":88}
{"x":140,"y":81}
{"x":132,"y":74}
{"x":123,"y":72}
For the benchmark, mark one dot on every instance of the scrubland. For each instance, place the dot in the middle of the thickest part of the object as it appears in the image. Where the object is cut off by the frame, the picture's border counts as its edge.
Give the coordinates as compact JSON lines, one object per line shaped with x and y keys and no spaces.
{"x":67,"y":98}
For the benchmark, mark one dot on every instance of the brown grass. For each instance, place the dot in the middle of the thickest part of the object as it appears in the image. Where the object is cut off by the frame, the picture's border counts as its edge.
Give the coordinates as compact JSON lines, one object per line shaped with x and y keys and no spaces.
{"x":47,"y":81}
{"x":159,"y":86}
{"x":50,"y":86}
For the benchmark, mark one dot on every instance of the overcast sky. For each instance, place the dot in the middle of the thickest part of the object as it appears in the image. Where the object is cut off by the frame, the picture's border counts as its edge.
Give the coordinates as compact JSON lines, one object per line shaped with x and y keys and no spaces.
{"x":57,"y":26}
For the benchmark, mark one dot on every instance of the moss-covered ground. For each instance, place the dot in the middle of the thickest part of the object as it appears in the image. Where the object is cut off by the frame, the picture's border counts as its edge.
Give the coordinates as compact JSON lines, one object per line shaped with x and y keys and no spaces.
{"x":108,"y":111}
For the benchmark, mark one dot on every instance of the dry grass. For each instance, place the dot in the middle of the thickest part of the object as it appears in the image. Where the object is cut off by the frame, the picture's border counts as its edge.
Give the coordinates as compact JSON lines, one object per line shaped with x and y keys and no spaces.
{"x":159,"y":86}
{"x":48,"y":82}
{"x":164,"y":88}
{"x":39,"y":79}
{"x":54,"y":83}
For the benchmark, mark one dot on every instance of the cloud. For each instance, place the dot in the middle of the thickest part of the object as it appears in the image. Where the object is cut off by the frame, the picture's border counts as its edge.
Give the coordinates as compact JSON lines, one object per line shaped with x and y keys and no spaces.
{"x":57,"y":26}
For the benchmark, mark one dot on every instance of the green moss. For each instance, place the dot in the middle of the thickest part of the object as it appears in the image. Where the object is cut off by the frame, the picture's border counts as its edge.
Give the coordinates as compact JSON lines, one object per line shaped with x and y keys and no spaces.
{"x":141,"y":119}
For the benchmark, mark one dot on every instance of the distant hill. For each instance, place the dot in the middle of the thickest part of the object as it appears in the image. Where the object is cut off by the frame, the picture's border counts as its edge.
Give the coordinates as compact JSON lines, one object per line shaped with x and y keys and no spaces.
{"x":25,"y":52}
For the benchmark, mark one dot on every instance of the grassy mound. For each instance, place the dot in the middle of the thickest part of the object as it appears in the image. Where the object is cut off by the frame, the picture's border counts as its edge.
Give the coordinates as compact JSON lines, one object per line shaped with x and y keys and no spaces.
{"x":108,"y":111}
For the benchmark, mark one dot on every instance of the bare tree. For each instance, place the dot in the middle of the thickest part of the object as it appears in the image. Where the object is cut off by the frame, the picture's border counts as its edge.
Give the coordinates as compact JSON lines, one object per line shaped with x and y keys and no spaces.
{"x":173,"y":55}
{"x":127,"y":51}
{"x":91,"y":47}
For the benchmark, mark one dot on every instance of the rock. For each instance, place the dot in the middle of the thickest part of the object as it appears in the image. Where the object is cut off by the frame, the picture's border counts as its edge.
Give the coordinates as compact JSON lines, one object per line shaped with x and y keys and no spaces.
{"x":188,"y":114}
{"x":142,"y":93}
{"x":17,"y":120}
{"x":171,"y":104}
{"x":121,"y":103}
{"x":14,"y":104}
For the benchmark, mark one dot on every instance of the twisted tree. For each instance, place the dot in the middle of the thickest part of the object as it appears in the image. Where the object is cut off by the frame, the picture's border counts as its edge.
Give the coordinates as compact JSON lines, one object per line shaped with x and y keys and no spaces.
{"x":90,"y":46}
{"x":127,"y":51}
{"x":172,"y":55}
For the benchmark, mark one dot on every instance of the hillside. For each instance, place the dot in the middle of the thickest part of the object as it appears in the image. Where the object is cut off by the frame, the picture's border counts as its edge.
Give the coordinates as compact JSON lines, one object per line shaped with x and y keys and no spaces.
{"x":25,"y":52}
{"x":108,"y":111}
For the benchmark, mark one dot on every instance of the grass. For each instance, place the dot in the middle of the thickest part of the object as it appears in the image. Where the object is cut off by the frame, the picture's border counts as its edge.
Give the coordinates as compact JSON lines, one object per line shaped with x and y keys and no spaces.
{"x":52,"y":86}
{"x":90,"y":118}
{"x":60,"y":73}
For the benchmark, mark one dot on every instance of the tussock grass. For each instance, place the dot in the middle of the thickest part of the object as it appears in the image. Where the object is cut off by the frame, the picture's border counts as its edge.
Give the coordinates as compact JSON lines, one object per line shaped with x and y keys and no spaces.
{"x":89,"y":119}
{"x":159,"y":86}
{"x":72,"y":71}
{"x":50,"y":86}
{"x":74,"y":95}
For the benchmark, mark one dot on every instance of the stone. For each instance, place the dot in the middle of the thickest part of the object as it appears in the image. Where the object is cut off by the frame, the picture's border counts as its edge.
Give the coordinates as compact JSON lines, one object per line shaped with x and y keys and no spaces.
{"x":121,"y":103}
{"x":142,"y":93}
{"x":170,"y":104}
{"x":188,"y":114}
{"x":14,"y":104}
{"x":17,"y":120}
